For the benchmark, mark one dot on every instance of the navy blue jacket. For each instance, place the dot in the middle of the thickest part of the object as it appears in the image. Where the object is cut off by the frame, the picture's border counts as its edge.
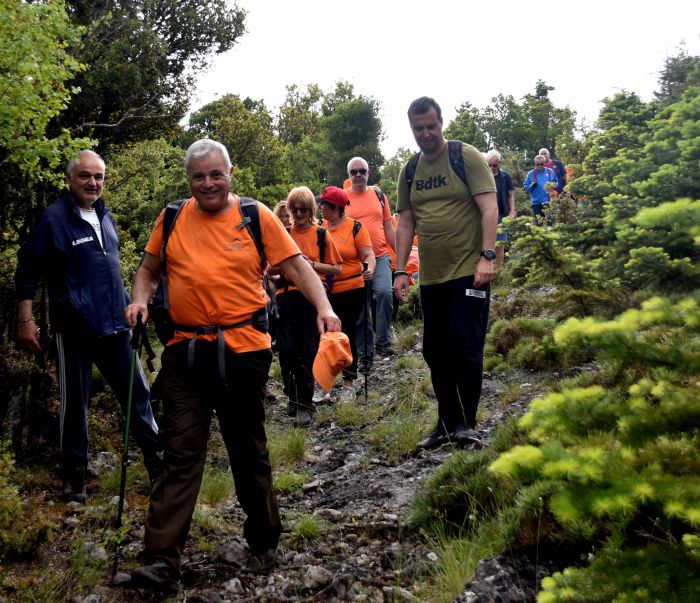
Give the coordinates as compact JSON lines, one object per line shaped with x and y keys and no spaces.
{"x":86,"y":292}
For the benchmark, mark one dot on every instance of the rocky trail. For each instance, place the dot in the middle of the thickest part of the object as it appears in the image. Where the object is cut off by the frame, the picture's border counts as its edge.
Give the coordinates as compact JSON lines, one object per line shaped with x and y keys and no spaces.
{"x":367,"y":551}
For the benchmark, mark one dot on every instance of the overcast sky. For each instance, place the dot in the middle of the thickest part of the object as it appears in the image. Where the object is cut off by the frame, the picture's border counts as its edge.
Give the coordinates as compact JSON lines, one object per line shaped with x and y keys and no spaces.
{"x":452,"y":50}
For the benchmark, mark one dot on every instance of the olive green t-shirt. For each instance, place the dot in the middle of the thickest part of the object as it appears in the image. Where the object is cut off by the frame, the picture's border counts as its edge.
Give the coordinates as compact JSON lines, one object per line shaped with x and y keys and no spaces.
{"x":448,"y":220}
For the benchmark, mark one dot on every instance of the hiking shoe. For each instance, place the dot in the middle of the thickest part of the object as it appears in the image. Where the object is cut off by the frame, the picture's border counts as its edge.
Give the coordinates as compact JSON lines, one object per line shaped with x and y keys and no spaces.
{"x":364,"y":365}
{"x":347,"y":394}
{"x":74,"y":484}
{"x":437,"y":438}
{"x":303,"y":418}
{"x":385,"y":351}
{"x":463,"y":436}
{"x":262,"y":563}
{"x":159,"y":576}
{"x":321,"y":395}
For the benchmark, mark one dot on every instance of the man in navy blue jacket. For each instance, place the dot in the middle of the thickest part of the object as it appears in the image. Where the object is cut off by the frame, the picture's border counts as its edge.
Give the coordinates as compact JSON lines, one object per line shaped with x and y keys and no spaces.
{"x":76,"y":248}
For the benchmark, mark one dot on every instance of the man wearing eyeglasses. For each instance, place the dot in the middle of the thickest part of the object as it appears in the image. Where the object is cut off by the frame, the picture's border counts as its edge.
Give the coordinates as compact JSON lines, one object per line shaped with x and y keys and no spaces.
{"x":366,"y":207}
{"x":506,"y":200}
{"x":539,"y":183}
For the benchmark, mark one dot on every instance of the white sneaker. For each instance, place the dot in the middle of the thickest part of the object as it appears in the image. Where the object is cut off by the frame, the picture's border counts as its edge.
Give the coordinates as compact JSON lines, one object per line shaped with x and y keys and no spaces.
{"x":321,"y":396}
{"x":347,"y":394}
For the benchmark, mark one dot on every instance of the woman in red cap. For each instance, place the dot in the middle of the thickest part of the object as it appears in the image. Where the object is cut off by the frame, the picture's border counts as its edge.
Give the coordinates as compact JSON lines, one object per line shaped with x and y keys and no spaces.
{"x":297,"y":331}
{"x":348,"y":297}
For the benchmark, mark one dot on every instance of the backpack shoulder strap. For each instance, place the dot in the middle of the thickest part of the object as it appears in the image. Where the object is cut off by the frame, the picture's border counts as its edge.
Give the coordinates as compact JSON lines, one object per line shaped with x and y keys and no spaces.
{"x":172,"y":211}
{"x":251,"y":222}
{"x":454,"y":148}
{"x":356,"y":228}
{"x":321,"y":241}
{"x":380,"y":195}
{"x":411,"y":171}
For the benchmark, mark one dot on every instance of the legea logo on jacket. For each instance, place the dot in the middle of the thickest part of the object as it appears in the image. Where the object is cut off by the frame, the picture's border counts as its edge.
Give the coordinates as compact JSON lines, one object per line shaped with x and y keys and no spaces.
{"x":83,"y":240}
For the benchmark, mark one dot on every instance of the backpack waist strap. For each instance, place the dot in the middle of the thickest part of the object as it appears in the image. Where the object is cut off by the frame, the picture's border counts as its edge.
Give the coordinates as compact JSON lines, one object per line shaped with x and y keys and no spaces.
{"x":258,"y":320}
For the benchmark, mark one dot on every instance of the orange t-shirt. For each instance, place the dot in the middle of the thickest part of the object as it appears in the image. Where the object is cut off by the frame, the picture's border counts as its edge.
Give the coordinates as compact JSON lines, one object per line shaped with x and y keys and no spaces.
{"x":214,"y":273}
{"x":367,"y":208}
{"x":349,"y":249}
{"x":307,"y":240}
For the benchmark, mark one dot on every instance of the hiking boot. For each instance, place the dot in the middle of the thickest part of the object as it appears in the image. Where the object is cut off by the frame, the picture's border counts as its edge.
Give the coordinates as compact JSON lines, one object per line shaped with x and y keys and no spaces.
{"x":304,"y":417}
{"x":159,"y":576}
{"x":437,"y":438}
{"x":464,"y":436}
{"x":347,"y":394}
{"x":74,"y":484}
{"x":385,"y":351}
{"x":364,"y":365}
{"x":262,"y":563}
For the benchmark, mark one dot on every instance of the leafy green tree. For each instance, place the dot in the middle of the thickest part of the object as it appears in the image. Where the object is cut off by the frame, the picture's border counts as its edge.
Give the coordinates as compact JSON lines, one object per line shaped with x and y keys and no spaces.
{"x":467,"y":127}
{"x":299,"y":114}
{"x":36,"y":66}
{"x":352,"y":129}
{"x":142,"y":62}
{"x":245,"y":127}
{"x":679,"y":72}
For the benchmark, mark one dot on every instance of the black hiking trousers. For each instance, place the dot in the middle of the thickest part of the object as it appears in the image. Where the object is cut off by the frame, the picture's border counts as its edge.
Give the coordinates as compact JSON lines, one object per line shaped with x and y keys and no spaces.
{"x":297,"y":344}
{"x":455,"y":319}
{"x":190,"y":396}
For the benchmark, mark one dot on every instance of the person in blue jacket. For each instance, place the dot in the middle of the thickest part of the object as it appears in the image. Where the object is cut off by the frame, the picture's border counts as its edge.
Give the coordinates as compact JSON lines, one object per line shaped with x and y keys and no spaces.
{"x":538,"y":183}
{"x":76,"y":248}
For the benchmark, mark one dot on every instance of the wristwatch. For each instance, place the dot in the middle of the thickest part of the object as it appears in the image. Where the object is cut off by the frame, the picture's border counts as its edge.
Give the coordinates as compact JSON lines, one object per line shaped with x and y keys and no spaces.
{"x":489,"y":254}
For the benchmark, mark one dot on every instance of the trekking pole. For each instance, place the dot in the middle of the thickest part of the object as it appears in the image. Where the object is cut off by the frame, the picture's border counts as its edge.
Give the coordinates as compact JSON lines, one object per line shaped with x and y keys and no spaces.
{"x":138,"y":333}
{"x":367,"y":318}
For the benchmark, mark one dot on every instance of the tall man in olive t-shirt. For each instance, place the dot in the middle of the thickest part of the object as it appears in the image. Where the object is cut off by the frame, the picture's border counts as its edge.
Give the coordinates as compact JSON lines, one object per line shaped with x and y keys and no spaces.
{"x":456,"y":224}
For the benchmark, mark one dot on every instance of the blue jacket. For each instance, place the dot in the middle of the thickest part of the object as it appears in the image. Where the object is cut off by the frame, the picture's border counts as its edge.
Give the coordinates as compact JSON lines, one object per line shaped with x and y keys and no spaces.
{"x":538,"y":194}
{"x":86,"y":292}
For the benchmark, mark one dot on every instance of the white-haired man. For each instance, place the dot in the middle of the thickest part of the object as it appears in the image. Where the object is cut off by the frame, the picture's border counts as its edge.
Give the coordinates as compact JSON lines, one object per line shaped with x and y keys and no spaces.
{"x":218,"y":359}
{"x":506,"y":200}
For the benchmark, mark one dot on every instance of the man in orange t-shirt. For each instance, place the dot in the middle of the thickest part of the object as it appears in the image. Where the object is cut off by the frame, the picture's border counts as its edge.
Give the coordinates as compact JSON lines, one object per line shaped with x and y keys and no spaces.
{"x":215,"y":286}
{"x":366,"y":207}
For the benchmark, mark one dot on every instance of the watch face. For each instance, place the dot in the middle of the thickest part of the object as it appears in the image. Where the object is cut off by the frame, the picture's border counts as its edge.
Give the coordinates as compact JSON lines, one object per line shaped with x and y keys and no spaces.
{"x":489,"y":254}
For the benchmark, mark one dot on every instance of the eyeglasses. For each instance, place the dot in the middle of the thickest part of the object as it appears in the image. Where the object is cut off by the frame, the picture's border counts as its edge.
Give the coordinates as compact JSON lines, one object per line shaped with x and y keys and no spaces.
{"x":539,"y":164}
{"x":493,"y":165}
{"x":298,"y":210}
{"x":362,"y":171}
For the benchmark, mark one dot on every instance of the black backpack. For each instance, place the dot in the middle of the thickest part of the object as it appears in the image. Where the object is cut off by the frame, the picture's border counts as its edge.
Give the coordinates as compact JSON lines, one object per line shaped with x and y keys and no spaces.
{"x":454,"y":149}
{"x":321,"y":242}
{"x":158,"y":308}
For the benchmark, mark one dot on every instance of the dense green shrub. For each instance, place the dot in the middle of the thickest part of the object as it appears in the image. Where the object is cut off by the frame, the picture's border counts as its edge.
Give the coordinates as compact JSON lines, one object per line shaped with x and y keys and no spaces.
{"x":625,"y":460}
{"x":20,"y":533}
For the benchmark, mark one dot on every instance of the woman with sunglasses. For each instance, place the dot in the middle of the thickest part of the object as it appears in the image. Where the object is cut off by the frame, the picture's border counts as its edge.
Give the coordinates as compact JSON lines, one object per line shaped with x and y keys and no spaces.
{"x":297,"y":332}
{"x":348,"y":297}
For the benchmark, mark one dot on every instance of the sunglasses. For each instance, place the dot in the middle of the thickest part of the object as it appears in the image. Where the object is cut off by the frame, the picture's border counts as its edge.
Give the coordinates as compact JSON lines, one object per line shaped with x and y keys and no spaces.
{"x":298,"y":210}
{"x":362,"y":171}
{"x":493,"y":165}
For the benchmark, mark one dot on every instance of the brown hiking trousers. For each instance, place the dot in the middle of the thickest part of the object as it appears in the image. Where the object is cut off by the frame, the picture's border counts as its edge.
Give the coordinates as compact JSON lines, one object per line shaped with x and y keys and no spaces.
{"x":191,"y":394}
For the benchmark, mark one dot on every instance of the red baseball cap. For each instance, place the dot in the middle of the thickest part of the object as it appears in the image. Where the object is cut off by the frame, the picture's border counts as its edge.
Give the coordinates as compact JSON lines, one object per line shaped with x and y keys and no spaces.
{"x":332,"y":357}
{"x":334,"y":195}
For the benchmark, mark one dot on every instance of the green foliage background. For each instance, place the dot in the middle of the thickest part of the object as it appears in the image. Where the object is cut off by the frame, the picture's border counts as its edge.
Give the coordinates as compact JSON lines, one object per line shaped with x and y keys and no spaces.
{"x":607,"y":462}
